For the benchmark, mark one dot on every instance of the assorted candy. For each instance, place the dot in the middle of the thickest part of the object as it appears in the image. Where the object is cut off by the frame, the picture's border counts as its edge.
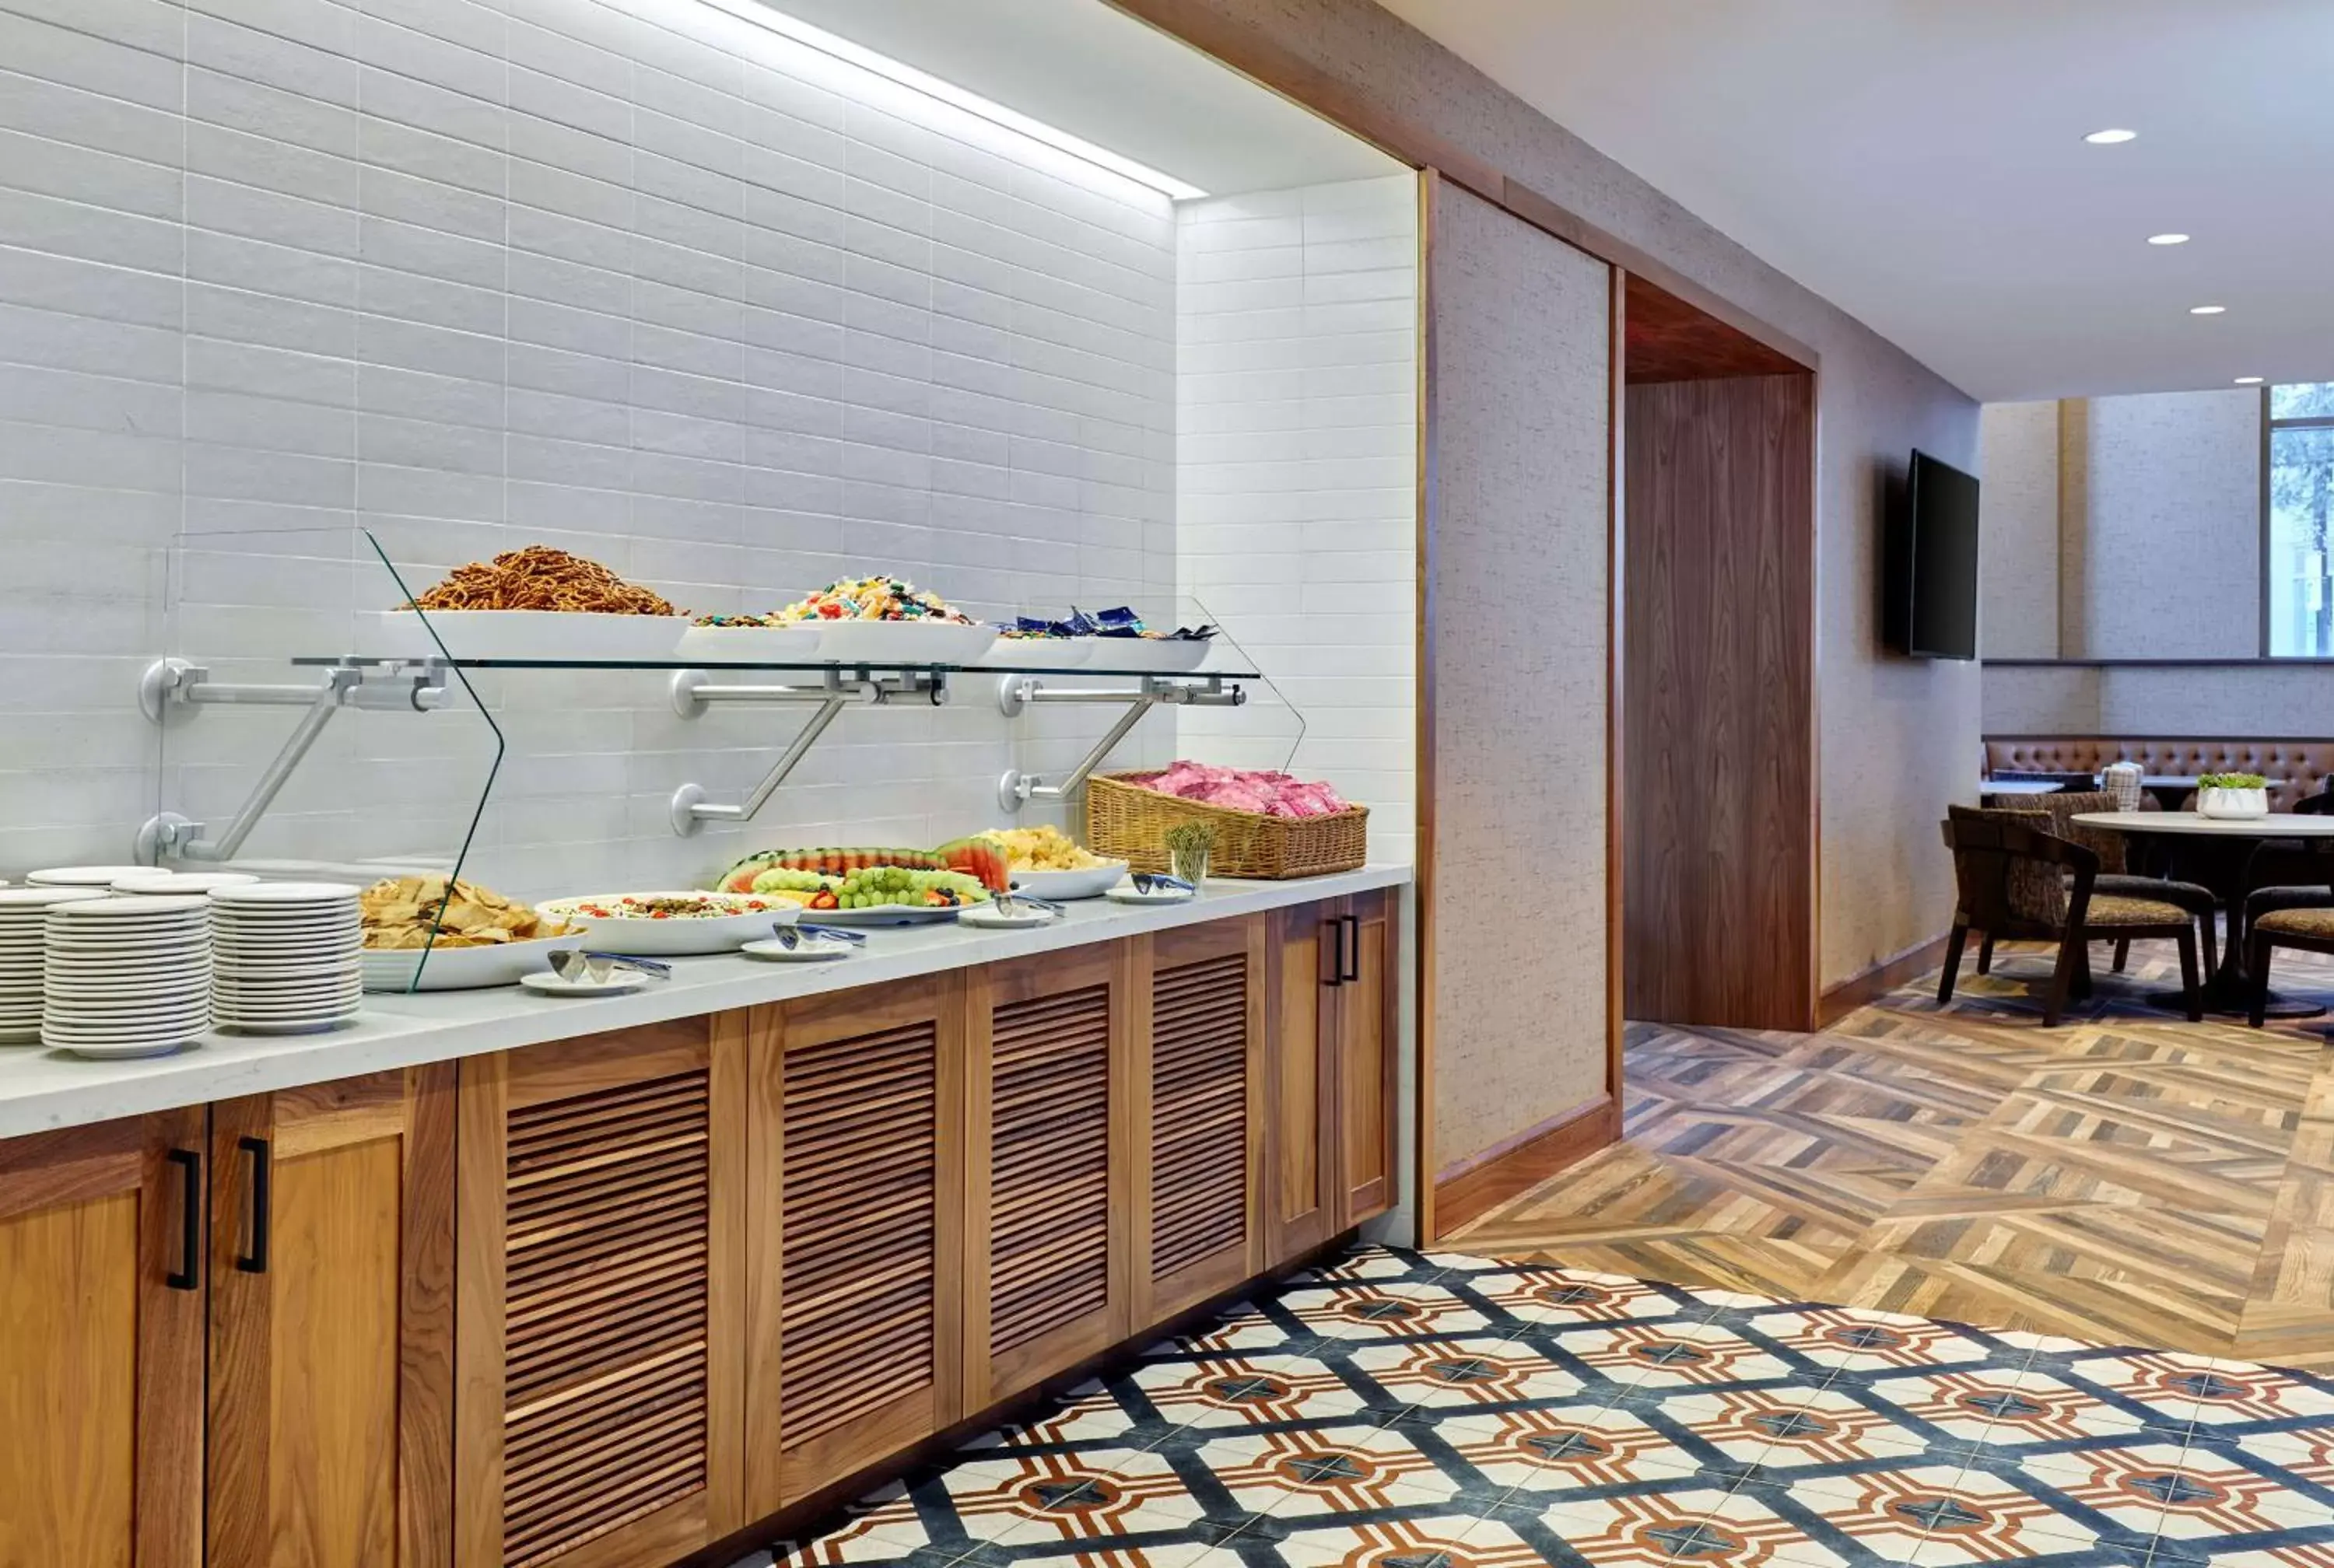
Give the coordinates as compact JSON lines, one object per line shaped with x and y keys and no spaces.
{"x":864,"y":598}
{"x":1266,"y":793}
{"x":1120,"y":622}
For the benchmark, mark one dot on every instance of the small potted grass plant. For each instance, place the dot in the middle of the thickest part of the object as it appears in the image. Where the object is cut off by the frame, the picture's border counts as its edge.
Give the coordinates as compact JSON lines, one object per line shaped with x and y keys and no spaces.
{"x":2232,"y":796}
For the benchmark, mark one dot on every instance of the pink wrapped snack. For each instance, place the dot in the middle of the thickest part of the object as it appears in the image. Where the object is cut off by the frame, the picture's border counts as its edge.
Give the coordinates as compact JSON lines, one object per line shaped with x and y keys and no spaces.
{"x":1264,"y":792}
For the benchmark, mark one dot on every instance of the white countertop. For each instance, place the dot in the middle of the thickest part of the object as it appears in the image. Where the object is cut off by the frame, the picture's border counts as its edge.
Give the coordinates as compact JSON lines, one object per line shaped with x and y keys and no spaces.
{"x":41,"y":1089}
{"x":2276,"y":825}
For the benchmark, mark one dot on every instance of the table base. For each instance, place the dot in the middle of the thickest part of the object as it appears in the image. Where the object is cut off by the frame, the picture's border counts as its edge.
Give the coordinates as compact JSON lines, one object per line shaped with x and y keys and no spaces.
{"x":2224,"y":1000}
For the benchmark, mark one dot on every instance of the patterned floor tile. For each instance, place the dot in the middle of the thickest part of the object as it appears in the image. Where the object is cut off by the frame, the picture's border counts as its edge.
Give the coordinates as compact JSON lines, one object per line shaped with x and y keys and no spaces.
{"x":1465,"y":1370}
{"x":1695,"y":1525}
{"x":1247,"y":1389}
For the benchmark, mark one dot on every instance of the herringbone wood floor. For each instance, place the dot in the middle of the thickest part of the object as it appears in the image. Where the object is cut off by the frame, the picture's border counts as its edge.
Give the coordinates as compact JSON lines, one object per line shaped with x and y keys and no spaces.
{"x":2129,"y":1176}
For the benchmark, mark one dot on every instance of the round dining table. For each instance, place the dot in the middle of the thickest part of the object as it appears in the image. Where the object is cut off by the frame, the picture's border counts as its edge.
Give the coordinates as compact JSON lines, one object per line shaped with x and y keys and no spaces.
{"x":2229,"y":845}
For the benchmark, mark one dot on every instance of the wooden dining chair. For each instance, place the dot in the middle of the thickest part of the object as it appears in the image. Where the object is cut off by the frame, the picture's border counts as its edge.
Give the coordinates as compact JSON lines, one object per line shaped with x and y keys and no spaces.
{"x":2114,"y":849}
{"x":2013,"y":880}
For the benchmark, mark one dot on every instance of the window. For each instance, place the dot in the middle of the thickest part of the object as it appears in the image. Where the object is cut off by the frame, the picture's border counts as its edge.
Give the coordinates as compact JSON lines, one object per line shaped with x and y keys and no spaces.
{"x":2298,"y":560}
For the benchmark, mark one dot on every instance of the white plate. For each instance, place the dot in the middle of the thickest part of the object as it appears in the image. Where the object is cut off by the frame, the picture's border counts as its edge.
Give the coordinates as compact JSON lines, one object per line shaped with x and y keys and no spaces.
{"x":648,"y":938}
{"x":303,"y":1027}
{"x":615,"y":985}
{"x":888,"y":915}
{"x":1127,"y":895}
{"x":460,"y":969}
{"x":518,"y":634}
{"x":1150,"y":655}
{"x":990,"y":918}
{"x":1040,"y":652}
{"x":83,"y":876}
{"x":749,"y":644}
{"x":1092,"y":882}
{"x":33,"y":903}
{"x":809,"y":952}
{"x":69,"y":1032}
{"x":127,"y":993}
{"x":152,"y":881}
{"x":125,"y":1052}
{"x":269,"y":894}
{"x":176,"y":908}
{"x":903,"y":642}
{"x":317,"y":1013}
{"x":269,"y":992}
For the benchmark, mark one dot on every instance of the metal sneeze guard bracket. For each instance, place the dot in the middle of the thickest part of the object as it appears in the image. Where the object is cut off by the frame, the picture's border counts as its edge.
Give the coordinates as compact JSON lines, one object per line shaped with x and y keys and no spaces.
{"x":1015,"y":789}
{"x":694,"y":690}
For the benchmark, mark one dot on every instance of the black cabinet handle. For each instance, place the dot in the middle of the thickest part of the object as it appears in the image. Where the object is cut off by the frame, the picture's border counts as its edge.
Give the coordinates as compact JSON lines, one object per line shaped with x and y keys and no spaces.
{"x":1351,"y":941}
{"x":256,"y":1261}
{"x":190,"y":1223}
{"x":1336,"y":934}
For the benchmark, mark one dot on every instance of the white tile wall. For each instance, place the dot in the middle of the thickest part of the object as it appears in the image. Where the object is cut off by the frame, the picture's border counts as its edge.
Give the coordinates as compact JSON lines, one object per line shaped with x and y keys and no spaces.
{"x":1298,"y":466}
{"x":636,"y":279}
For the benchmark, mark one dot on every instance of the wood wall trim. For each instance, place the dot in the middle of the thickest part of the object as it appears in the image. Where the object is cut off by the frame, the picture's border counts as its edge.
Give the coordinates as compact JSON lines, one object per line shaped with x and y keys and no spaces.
{"x":1422,"y":1174}
{"x":1615,"y":689}
{"x":1249,"y":52}
{"x":1868,"y":985}
{"x":1673,"y":341}
{"x":1474,"y":1187}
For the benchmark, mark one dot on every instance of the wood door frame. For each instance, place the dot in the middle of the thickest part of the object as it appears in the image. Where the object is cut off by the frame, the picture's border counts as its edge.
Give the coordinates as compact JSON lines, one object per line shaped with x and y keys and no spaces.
{"x":986,"y":987}
{"x":415,"y":1105}
{"x":133,"y":1156}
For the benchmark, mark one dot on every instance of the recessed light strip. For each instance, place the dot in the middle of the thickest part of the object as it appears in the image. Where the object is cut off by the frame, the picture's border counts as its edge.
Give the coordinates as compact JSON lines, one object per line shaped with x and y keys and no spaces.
{"x":950,"y":93}
{"x":2167,"y":239}
{"x":2111,"y":137}
{"x":2207,"y":310}
{"x":2249,"y":380}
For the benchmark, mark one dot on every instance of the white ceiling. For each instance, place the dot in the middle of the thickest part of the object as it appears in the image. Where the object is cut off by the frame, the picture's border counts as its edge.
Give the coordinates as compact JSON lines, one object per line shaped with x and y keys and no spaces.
{"x":1082,"y":67}
{"x":1921,"y":164}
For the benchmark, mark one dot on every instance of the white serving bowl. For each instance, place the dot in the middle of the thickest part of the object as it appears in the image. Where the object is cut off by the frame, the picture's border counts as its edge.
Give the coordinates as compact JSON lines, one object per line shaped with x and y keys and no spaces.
{"x":1150,"y":655}
{"x":460,"y":969}
{"x":749,"y":644}
{"x":518,"y":634}
{"x":903,"y":642}
{"x":649,"y":938}
{"x":1064,"y":886}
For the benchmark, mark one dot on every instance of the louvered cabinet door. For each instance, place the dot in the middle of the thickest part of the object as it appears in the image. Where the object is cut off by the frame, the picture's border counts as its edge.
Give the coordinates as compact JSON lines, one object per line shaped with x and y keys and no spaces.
{"x":331,"y":1339}
{"x":1301,"y":1188}
{"x":1049,"y":1176}
{"x":1199,"y":1023}
{"x":857,"y":1235}
{"x":600,"y":1300}
{"x":1368,"y":1042}
{"x":101,"y":1289}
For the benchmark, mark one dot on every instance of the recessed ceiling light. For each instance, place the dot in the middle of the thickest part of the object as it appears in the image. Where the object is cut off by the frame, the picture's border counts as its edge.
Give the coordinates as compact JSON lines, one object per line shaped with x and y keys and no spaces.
{"x":2206,"y":310}
{"x":2249,"y":380}
{"x":2167,"y":239}
{"x":2110,"y":137}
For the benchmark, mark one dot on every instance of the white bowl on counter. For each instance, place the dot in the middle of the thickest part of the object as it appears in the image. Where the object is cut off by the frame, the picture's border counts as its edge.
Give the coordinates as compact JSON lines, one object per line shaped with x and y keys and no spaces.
{"x":1150,"y":655}
{"x":642,"y":936}
{"x":460,"y":969}
{"x":1061,"y":887}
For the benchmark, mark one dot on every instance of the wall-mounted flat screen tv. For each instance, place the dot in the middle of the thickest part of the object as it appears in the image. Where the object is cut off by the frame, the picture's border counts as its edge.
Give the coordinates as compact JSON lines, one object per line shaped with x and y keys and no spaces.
{"x":1930,"y":570}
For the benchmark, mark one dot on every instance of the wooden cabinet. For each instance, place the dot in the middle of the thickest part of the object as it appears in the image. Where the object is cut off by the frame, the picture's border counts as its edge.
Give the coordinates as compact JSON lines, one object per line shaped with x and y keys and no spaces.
{"x":1050,"y":1167}
{"x":600,"y":1298}
{"x":332,"y":1324}
{"x":855,"y":1233}
{"x":102,"y":1344}
{"x":1199,"y":1020}
{"x":1330,"y":1147}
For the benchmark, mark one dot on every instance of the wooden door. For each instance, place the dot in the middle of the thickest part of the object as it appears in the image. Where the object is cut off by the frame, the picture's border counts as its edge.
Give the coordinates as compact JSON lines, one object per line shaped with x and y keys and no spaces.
{"x":1302,"y":1184}
{"x":102,"y":1344}
{"x":598,"y":1298}
{"x":1050,"y":1167}
{"x":1367,"y":1051}
{"x":856,"y":1232}
{"x":332,"y":1337}
{"x":1199,"y":1023}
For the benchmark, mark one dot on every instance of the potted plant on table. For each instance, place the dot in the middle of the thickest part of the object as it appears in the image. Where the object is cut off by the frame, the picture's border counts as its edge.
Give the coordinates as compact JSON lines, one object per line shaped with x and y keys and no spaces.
{"x":2232,"y":796}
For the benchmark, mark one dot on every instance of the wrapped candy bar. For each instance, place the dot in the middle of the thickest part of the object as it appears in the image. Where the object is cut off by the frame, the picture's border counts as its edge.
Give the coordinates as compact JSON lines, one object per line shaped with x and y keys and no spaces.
{"x":1265,"y":793}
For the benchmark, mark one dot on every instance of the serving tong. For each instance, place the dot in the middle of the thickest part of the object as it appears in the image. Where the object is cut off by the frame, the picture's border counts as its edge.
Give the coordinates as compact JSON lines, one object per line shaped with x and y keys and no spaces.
{"x":576,"y":966}
{"x":1159,"y":882}
{"x":1016,"y":898}
{"x":790,"y":936}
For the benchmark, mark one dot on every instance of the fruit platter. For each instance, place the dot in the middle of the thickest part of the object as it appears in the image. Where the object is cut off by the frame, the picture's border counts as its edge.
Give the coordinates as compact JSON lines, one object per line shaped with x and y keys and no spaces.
{"x":1047,"y":862}
{"x":874,"y":887}
{"x":665,"y":924}
{"x":886,"y":621}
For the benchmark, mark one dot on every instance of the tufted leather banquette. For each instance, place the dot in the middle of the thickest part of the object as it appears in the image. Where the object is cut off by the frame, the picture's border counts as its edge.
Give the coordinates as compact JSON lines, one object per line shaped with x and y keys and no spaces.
{"x":2294,"y":768}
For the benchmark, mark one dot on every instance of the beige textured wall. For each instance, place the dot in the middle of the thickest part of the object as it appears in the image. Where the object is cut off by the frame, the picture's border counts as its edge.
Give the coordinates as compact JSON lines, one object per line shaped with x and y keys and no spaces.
{"x":2018,"y":530}
{"x":1899,"y":738}
{"x":2166,"y":504}
{"x":1522,"y":366}
{"x":2216,"y":700}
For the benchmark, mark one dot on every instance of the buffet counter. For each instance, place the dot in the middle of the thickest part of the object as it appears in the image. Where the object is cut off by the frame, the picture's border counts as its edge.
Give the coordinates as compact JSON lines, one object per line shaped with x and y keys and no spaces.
{"x":41,"y":1090}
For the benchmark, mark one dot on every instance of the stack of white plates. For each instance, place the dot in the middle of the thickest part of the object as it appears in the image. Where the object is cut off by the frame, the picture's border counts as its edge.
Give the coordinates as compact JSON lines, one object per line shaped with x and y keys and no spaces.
{"x":288,"y":957}
{"x":153,"y":881}
{"x":126,"y":976}
{"x":24,"y":917}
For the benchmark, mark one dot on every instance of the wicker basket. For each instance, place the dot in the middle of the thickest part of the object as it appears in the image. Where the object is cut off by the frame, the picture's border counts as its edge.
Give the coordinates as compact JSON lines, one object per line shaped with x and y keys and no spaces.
{"x":1128,"y":823}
